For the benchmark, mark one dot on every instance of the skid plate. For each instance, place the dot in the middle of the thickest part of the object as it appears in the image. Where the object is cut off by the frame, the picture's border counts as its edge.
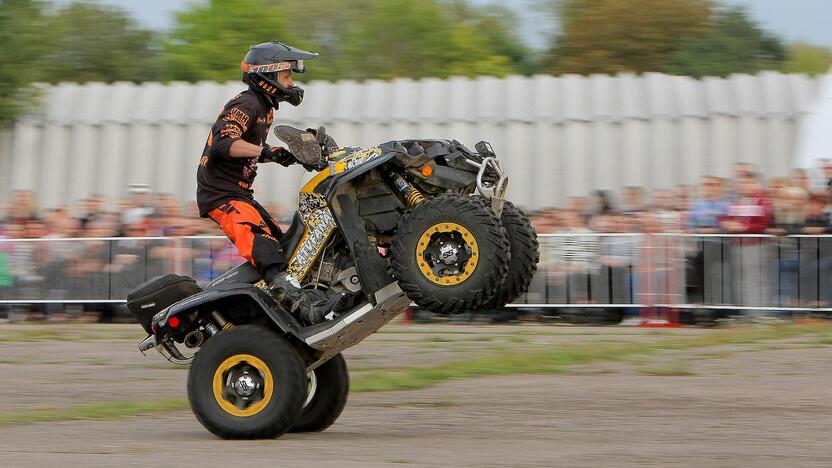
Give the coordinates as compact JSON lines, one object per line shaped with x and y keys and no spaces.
{"x":362,"y":322}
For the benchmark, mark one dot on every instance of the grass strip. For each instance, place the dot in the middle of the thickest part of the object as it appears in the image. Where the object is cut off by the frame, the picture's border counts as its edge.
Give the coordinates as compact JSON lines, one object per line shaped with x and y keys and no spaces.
{"x":537,"y":361}
{"x":554,"y":360}
{"x":93,"y":412}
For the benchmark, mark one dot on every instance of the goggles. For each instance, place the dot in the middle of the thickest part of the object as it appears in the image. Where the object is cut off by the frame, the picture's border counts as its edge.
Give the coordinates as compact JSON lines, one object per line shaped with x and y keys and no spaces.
{"x":294,"y":65}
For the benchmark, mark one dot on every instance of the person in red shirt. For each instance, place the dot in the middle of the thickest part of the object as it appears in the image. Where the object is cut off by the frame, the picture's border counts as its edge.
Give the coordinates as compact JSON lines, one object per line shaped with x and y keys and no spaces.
{"x":751,"y":212}
{"x":228,"y":166}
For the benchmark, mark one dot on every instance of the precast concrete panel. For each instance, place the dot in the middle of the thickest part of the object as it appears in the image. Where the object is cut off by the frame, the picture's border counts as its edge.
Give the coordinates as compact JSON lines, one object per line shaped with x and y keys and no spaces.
{"x":166,"y":170}
{"x":780,"y":142}
{"x":576,"y":137}
{"x":84,"y":176}
{"x":750,"y":140}
{"x":54,"y":167}
{"x":662,"y":155}
{"x":633,"y":144}
{"x":24,"y":156}
{"x":723,"y":147}
{"x":606,"y":162}
{"x":519,"y":162}
{"x":114,"y":160}
{"x":693,"y":146}
{"x":544,"y":155}
{"x":6,"y":135}
{"x":578,"y":132}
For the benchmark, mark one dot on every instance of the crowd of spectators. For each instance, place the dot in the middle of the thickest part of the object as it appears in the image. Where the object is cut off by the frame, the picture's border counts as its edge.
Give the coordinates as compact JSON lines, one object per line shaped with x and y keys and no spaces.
{"x":52,"y":259}
{"x":591,"y":259}
{"x":743,"y":204}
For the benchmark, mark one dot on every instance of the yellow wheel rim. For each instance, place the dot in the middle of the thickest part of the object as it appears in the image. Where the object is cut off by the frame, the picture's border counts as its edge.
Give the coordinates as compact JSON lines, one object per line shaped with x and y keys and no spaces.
{"x":238,"y":375}
{"x":462,"y":238}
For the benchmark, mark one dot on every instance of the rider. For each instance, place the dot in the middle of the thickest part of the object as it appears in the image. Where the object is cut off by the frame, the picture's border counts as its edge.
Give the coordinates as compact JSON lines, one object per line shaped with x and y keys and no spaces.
{"x":236,"y":144}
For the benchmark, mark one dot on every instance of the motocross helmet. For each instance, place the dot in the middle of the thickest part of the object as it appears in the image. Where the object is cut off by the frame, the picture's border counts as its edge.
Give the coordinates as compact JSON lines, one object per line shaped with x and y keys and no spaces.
{"x":265,"y":61}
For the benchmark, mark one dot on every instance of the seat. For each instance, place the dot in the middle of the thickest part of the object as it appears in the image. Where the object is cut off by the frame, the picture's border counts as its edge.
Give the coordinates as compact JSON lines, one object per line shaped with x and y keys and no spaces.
{"x":243,"y":273}
{"x":291,"y":238}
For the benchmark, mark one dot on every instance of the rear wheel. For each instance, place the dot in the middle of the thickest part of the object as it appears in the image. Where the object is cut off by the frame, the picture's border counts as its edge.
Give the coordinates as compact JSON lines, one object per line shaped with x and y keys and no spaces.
{"x":327,"y":390}
{"x":247,"y":383}
{"x":525,"y":255}
{"x":450,"y":254}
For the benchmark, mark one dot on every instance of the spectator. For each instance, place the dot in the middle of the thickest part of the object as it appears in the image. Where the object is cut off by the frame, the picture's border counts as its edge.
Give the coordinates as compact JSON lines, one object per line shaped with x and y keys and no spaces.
{"x":790,"y":211}
{"x":750,"y":213}
{"x":139,"y":205}
{"x":91,"y":207}
{"x":790,"y":218}
{"x":579,"y":205}
{"x":633,"y":200}
{"x":704,"y":266}
{"x":618,"y":256}
{"x":707,"y":211}
{"x":743,"y":170}
{"x":817,"y":219}
{"x":664,"y":210}
{"x":826,"y":174}
{"x":800,"y":178}
{"x":658,"y":277}
{"x":22,"y":207}
{"x":777,"y":184}
{"x":602,"y":202}
{"x":576,"y":256}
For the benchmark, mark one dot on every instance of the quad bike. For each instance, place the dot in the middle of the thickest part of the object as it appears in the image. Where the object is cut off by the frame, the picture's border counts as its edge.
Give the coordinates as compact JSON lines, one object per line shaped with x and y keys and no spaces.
{"x":422,"y":221}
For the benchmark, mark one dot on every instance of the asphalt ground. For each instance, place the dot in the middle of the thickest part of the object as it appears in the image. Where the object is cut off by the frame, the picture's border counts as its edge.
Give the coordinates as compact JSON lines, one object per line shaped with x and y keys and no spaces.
{"x":612,"y":396}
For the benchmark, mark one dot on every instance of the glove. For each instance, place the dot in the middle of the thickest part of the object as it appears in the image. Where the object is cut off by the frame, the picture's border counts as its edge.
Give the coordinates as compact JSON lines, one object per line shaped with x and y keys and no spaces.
{"x":316,"y":167}
{"x":276,"y":154}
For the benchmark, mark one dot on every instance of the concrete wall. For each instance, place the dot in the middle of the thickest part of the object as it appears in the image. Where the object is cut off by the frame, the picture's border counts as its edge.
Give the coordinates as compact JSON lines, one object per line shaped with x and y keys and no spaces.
{"x":557,"y":136}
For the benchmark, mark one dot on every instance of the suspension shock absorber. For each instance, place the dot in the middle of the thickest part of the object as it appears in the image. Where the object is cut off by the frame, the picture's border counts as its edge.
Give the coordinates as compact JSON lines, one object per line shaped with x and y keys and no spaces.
{"x":411,"y":194}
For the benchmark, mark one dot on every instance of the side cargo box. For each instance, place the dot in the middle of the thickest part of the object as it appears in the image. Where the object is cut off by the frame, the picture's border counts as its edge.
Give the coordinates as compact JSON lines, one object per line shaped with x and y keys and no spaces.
{"x":154,"y":295}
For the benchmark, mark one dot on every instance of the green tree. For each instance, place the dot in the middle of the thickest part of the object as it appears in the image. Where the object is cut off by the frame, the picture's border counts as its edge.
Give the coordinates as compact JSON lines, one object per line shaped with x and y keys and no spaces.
{"x":210,"y":39}
{"x":809,"y":59}
{"x":733,"y":44}
{"x":324,"y":25}
{"x":499,"y":25}
{"x":610,"y":36}
{"x":91,"y":42}
{"x":21,"y":49}
{"x":418,"y":38}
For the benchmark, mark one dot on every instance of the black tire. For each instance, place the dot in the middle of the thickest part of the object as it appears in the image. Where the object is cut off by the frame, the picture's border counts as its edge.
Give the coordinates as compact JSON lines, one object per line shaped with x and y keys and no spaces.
{"x":492,"y":254}
{"x":525,"y":255}
{"x":332,"y":385}
{"x":283,"y":365}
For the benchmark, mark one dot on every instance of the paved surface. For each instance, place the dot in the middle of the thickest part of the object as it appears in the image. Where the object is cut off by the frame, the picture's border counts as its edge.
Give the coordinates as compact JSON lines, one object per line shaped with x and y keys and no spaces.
{"x":757,"y":405}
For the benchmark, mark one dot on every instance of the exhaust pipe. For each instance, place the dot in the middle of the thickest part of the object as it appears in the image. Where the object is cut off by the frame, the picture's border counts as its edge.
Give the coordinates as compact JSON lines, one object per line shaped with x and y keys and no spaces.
{"x":194,"y":339}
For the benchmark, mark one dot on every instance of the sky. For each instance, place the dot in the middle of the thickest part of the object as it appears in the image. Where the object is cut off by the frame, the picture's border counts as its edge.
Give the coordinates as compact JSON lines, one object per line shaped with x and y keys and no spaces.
{"x":793,"y":20}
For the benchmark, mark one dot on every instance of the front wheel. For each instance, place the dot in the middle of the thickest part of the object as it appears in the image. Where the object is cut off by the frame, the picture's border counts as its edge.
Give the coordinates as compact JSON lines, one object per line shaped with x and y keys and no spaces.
{"x":247,"y":383}
{"x":326,"y":397}
{"x":450,"y":254}
{"x":525,"y":255}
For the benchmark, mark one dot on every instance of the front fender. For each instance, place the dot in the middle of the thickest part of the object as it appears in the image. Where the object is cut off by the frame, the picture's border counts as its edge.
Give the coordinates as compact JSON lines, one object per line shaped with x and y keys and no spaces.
{"x":203,"y":300}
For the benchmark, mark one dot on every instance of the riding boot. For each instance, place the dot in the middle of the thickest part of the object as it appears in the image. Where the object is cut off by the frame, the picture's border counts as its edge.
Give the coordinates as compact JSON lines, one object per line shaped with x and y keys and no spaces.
{"x":310,"y":308}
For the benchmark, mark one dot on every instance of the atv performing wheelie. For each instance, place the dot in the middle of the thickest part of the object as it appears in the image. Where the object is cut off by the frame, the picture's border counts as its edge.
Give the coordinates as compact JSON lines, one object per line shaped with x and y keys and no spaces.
{"x":421,"y":221}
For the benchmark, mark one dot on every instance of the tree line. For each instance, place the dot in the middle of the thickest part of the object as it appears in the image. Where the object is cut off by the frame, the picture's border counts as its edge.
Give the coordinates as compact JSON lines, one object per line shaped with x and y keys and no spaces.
{"x":363,"y":39}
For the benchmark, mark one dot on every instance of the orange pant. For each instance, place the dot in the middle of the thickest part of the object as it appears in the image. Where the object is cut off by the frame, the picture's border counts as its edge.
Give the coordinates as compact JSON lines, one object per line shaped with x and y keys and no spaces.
{"x":254,"y":232}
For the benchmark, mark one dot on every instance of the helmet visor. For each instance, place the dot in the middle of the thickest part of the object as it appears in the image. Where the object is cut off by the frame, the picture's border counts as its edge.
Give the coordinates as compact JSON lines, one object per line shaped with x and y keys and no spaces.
{"x":296,"y":66}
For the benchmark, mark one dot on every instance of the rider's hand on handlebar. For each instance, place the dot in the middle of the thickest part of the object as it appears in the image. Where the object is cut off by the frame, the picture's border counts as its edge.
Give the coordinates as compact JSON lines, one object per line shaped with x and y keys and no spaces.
{"x":276,"y":154}
{"x":316,"y":167}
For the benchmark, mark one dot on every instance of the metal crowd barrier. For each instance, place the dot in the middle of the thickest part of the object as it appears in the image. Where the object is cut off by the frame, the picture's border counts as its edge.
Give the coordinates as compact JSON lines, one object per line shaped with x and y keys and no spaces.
{"x":580,"y":269}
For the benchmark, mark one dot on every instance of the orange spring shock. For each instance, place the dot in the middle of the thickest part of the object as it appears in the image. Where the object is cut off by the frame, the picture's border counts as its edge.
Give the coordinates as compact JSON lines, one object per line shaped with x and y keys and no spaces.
{"x":411,"y":194}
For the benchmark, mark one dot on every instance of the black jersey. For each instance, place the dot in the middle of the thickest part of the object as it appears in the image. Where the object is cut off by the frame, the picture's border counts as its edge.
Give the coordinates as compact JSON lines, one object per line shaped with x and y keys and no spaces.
{"x":219,"y":176}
